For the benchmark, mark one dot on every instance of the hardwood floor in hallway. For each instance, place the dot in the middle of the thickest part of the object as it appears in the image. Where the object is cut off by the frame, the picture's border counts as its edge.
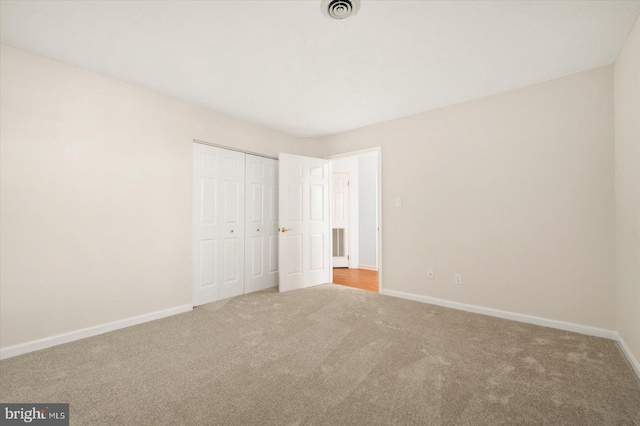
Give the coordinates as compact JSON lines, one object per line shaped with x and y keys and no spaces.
{"x":363,"y":279}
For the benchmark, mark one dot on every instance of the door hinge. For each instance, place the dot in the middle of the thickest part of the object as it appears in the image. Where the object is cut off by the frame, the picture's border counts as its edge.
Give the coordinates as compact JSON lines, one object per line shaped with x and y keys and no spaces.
{"x":348,"y":257}
{"x":348,"y":183}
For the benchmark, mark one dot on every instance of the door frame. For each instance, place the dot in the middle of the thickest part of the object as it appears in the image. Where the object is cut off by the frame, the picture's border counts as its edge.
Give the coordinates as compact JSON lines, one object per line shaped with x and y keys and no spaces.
{"x":378,"y":150}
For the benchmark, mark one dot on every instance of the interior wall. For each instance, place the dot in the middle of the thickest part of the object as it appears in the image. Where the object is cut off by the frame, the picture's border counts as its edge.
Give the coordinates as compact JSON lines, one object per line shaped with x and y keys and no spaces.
{"x":515,"y":191}
{"x":350,"y":165}
{"x":96,"y":195}
{"x":368,"y":212}
{"x":627,"y":184}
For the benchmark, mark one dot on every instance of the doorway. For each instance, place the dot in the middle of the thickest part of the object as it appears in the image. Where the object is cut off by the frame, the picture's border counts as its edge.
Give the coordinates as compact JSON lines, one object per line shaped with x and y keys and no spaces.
{"x":355,"y":221}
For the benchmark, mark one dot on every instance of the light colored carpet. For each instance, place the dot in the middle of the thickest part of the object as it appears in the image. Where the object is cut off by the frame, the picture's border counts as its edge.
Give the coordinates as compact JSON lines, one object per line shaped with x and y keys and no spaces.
{"x":330,"y":355}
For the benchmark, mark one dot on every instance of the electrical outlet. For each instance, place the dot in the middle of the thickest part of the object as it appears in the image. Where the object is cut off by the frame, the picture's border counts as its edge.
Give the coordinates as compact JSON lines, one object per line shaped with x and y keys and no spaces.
{"x":458,"y":279}
{"x":430,"y":274}
{"x":398,"y":202}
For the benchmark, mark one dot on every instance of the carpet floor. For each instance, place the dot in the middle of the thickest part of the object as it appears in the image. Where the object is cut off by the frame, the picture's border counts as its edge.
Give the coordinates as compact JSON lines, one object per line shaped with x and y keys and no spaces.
{"x":330,"y":355}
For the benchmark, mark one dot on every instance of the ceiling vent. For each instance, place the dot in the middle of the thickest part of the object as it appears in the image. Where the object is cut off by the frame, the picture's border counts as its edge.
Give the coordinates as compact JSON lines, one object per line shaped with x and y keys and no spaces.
{"x":340,"y":9}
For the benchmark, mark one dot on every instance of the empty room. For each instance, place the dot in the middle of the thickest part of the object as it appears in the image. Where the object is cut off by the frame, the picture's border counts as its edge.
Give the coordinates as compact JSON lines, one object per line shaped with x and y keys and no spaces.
{"x":319,"y":212}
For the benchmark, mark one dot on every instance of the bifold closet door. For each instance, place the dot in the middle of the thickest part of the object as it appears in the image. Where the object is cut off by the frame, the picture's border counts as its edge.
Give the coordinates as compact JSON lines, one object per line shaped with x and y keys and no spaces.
{"x":261,"y":241}
{"x":218,"y":223}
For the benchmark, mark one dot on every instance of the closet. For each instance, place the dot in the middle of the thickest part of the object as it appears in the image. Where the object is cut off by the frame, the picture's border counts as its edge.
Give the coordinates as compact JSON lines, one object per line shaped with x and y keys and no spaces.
{"x":235,"y":223}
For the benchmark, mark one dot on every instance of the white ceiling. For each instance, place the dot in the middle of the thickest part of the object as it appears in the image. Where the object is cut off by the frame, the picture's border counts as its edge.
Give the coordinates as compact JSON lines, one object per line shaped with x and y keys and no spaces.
{"x":284,"y":65}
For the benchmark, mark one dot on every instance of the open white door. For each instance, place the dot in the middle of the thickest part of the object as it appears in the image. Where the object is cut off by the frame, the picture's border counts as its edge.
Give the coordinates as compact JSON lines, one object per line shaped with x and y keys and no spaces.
{"x":303,"y":255}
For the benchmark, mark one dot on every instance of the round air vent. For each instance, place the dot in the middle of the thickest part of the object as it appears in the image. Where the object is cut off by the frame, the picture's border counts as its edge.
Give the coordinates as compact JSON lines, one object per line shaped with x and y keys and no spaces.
{"x":340,"y":9}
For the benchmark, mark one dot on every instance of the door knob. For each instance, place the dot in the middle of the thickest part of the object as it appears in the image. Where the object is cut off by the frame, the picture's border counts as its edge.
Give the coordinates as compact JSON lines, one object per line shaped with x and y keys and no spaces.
{"x":285,"y":229}
{"x":258,"y":229}
{"x":232,"y":231}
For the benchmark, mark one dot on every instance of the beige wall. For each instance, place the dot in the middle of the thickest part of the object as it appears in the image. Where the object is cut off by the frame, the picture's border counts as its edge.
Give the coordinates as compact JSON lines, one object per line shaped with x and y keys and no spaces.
{"x":627,"y":160}
{"x":515,"y":191}
{"x":96,"y":195}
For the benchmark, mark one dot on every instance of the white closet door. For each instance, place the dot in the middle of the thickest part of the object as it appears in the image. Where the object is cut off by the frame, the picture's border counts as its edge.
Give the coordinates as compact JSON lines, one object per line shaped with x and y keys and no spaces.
{"x":261,"y":231}
{"x":218,"y":223}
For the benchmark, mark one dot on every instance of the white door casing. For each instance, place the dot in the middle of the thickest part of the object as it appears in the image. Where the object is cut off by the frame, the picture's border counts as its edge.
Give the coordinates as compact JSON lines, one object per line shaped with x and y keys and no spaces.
{"x":261,"y":230}
{"x":340,"y":219}
{"x":304,"y":251}
{"x":218,"y":223}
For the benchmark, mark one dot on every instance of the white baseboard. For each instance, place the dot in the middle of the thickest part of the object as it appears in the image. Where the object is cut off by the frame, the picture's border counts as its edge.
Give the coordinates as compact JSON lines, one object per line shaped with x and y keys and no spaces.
{"x":627,"y":352}
{"x":561,"y":325}
{"x":47,"y":342}
{"x":368,"y":267}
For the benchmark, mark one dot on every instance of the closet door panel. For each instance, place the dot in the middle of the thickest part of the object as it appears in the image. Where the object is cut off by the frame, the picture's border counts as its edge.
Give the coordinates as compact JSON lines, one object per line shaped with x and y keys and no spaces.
{"x":217,"y":223}
{"x":262,"y":223}
{"x":232,"y":203}
{"x":206,"y":225}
